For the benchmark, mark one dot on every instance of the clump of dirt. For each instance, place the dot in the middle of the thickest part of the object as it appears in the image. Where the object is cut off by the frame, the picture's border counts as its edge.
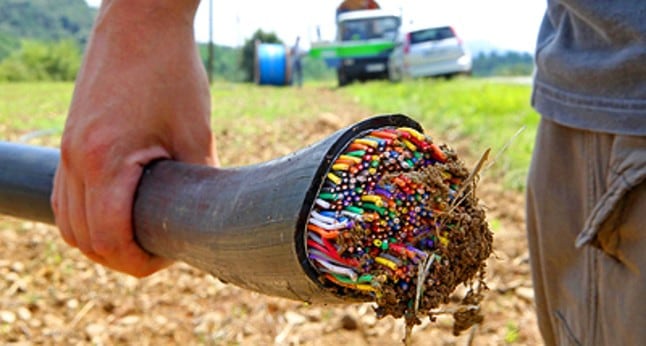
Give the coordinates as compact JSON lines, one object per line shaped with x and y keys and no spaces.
{"x":458,"y":260}
{"x":469,"y":314}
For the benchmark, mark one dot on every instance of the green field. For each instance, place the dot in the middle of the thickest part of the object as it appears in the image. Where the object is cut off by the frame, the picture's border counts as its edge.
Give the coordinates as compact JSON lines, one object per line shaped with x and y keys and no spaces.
{"x":471,"y":114}
{"x":476,"y":113}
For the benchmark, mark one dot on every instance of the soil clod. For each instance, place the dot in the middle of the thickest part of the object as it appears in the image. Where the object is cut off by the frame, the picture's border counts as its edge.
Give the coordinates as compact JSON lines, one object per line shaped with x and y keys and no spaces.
{"x":397,"y":221}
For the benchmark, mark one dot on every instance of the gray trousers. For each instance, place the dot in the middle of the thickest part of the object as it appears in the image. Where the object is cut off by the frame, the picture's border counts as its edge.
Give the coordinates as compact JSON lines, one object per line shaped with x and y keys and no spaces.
{"x":586,"y":223}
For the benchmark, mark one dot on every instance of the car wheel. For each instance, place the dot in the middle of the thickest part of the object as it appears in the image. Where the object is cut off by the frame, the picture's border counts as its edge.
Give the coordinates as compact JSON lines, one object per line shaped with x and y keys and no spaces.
{"x":394,"y":75}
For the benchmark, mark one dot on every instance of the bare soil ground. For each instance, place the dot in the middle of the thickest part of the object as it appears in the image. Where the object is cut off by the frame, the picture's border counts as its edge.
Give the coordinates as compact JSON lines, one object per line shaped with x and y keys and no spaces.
{"x":50,"y":294}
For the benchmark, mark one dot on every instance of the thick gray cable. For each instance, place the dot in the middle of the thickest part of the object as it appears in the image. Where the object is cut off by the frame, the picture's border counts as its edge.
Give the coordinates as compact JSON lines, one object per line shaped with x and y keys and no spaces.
{"x":244,"y":225}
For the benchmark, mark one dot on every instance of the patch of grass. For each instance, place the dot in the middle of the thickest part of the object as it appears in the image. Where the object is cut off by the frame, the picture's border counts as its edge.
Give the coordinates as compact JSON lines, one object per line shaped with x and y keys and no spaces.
{"x":480,"y":113}
{"x":53,"y":254}
{"x":30,"y":107}
{"x":250,"y":102}
{"x":494,"y":224}
{"x":248,"y":110}
{"x":327,"y":315}
{"x":512,"y":333}
{"x":483,"y":113}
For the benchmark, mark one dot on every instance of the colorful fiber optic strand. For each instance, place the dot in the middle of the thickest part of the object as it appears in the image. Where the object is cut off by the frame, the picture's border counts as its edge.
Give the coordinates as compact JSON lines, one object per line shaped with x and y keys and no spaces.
{"x":385,"y":219}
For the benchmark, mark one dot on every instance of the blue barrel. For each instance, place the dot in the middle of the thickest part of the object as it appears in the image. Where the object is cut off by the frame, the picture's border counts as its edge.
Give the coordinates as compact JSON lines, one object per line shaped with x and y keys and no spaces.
{"x":272,"y":64}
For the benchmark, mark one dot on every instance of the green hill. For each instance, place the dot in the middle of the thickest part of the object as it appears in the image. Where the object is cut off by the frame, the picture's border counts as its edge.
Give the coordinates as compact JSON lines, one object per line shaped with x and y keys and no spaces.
{"x":46,"y":20}
{"x":43,"y":39}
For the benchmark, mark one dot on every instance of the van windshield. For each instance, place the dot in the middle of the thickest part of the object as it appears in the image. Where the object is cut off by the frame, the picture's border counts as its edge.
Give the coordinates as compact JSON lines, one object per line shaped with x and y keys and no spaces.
{"x":369,"y":28}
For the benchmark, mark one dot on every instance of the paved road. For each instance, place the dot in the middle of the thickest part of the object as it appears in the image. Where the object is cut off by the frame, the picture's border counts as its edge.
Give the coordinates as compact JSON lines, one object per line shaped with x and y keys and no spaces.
{"x":526,"y":80}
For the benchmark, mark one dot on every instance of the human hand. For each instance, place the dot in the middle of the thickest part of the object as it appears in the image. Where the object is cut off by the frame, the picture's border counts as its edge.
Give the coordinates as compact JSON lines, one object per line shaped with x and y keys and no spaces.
{"x":141,"y":95}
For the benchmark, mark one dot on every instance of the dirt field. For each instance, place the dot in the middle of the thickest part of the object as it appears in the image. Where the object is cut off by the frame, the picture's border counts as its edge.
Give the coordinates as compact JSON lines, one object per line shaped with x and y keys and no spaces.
{"x":50,"y":294}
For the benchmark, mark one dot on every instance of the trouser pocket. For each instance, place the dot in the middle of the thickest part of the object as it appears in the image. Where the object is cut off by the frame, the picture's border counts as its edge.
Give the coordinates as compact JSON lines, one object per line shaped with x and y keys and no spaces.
{"x":617,"y":227}
{"x":626,"y":172}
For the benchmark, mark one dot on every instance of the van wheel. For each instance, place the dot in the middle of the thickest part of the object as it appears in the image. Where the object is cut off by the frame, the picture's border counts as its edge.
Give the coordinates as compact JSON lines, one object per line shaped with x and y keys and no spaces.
{"x":342,"y":78}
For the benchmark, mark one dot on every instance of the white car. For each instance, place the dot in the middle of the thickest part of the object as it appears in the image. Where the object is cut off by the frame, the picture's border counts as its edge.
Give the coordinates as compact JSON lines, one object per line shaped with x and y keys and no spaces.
{"x":428,"y":52}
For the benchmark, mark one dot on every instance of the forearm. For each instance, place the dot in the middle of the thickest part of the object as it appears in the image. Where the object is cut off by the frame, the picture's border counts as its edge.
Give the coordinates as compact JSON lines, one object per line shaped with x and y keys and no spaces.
{"x":158,"y":13}
{"x":130,"y":31}
{"x":144,"y":48}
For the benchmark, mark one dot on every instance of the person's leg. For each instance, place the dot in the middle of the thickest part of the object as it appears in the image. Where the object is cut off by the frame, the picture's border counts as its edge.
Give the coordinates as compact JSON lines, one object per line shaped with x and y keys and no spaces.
{"x":621,"y":235}
{"x":299,"y":74}
{"x":571,"y":176}
{"x":557,"y":205}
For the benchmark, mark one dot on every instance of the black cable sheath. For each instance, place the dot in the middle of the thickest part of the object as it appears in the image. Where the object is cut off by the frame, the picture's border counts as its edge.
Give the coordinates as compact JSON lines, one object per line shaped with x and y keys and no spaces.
{"x":26,"y":179}
{"x":245,"y":225}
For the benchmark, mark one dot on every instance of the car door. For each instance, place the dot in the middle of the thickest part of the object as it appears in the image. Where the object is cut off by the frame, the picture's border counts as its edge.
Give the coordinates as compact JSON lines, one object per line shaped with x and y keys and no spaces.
{"x":429,"y":48}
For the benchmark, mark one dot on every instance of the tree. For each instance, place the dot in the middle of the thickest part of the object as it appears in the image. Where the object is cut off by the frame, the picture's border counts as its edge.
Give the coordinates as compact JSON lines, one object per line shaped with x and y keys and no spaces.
{"x":503,"y":64}
{"x":247,"y":62}
{"x":7,"y":45}
{"x":38,"y":61}
{"x":46,"y":20}
{"x":226,"y":63}
{"x":43,"y":39}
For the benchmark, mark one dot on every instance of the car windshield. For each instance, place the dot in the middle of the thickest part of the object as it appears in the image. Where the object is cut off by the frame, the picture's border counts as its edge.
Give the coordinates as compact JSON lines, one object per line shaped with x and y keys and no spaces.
{"x":369,"y":28}
{"x":433,"y":34}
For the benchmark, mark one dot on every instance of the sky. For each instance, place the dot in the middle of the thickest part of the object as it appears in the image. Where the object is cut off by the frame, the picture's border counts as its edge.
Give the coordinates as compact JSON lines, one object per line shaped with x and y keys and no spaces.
{"x":505,"y":24}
